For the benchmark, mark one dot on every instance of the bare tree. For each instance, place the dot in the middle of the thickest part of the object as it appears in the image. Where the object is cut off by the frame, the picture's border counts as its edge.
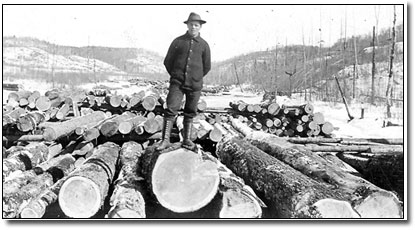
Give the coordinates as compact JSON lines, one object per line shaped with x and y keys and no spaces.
{"x":372,"y":99}
{"x":290,"y":74}
{"x":305,"y":69}
{"x":390,"y":79}
{"x":237,"y":77}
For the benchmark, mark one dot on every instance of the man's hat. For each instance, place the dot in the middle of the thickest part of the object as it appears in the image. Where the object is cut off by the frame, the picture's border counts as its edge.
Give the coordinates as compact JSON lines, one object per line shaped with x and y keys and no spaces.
{"x":194,"y":17}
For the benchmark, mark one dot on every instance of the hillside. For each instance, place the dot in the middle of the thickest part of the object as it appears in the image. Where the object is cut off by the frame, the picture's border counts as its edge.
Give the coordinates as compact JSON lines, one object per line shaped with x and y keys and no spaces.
{"x":30,"y":57}
{"x":296,"y":68}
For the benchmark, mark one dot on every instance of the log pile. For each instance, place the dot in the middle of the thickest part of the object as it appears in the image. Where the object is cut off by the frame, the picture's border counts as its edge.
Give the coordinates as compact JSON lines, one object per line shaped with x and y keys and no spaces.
{"x":93,"y":155}
{"x":283,"y":120}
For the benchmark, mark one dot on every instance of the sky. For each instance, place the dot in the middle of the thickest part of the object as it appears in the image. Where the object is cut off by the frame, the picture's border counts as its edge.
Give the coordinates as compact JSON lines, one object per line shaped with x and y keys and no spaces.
{"x":230,"y":30}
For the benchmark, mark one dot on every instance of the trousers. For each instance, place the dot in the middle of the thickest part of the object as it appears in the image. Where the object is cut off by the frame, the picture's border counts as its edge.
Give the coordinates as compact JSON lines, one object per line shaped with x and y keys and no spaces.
{"x":175,"y":98}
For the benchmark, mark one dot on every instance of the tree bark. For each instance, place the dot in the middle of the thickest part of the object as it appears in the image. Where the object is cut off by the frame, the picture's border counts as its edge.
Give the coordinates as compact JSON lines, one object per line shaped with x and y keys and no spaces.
{"x":14,"y":202}
{"x":238,"y":199}
{"x":131,"y":124}
{"x":288,"y":192}
{"x":127,"y":200}
{"x":110,"y":127}
{"x":30,"y":121}
{"x":375,"y":149}
{"x":360,"y":193}
{"x":67,"y":127}
{"x":84,"y":191}
{"x":385,"y":171}
{"x":24,"y":158}
{"x":180,"y":179}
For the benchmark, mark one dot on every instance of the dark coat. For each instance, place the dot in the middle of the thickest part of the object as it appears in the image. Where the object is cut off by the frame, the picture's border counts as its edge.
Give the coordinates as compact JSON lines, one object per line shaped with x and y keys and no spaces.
{"x":188,"y":61}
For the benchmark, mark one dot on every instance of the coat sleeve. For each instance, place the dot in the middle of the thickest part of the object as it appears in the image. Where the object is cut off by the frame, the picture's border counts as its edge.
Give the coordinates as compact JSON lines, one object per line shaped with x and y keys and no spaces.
{"x":206,"y":60}
{"x":169,"y":59}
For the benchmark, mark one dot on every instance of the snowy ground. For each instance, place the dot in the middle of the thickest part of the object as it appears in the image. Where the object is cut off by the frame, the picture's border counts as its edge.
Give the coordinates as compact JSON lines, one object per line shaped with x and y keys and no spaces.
{"x":369,"y":127}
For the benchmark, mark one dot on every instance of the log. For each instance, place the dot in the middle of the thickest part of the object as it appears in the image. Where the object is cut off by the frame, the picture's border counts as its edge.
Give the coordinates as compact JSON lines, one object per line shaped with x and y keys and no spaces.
{"x":30,"y":121}
{"x":91,"y":100}
{"x":24,"y":158}
{"x":308,"y":108}
{"x":14,"y":202}
{"x":127,"y":200}
{"x":91,"y":134}
{"x":32,"y":99}
{"x":201,"y":105}
{"x":257,"y":108}
{"x":110,"y":127}
{"x":114,"y":100}
{"x":385,"y":171}
{"x":11,"y":117}
{"x":250,"y":108}
{"x":238,"y":106}
{"x":151,"y":126}
{"x":273,"y":109}
{"x":204,"y":129}
{"x":238,"y":199}
{"x":83,"y":148}
{"x":84,"y":191}
{"x":180,"y":179}
{"x":288,"y":192}
{"x":131,"y":124}
{"x":327,"y":128}
{"x":22,"y":138}
{"x":38,"y":205}
{"x":135,"y":99}
{"x":375,"y":149}
{"x":63,"y":111}
{"x":217,"y":133}
{"x":54,"y":150}
{"x":355,"y":141}
{"x":150,"y":100}
{"x":318,"y":118}
{"x":387,"y":203}
{"x":67,"y":127}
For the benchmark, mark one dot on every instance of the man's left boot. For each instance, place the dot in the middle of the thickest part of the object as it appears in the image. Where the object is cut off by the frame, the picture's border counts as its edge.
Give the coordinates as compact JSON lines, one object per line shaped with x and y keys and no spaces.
{"x":187,"y":131}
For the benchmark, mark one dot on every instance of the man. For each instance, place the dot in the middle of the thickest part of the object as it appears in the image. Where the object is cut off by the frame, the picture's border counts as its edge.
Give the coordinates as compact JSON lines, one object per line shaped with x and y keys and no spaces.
{"x":187,"y":62}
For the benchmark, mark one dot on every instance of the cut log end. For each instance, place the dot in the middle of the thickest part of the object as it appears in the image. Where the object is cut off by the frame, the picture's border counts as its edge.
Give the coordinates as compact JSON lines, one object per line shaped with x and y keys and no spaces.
{"x":380,"y":205}
{"x":124,"y":213}
{"x":331,"y":208}
{"x":79,"y":197}
{"x":239,"y":205}
{"x":183,"y":182}
{"x":35,"y":210}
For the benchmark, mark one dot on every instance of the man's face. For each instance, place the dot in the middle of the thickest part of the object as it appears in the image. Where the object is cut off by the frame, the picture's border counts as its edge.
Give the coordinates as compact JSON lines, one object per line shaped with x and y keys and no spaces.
{"x":193,"y":28}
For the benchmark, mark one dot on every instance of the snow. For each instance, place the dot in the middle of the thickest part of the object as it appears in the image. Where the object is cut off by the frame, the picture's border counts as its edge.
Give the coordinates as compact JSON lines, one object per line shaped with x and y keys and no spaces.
{"x":371,"y":126}
{"x":35,"y":58}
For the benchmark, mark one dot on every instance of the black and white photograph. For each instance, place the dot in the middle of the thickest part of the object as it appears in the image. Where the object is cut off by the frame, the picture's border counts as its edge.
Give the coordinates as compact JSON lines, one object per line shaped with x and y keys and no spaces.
{"x":291,"y":112}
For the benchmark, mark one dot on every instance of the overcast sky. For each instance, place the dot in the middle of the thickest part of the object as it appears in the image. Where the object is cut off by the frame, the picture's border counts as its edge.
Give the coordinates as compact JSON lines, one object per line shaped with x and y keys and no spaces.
{"x":230,"y":29}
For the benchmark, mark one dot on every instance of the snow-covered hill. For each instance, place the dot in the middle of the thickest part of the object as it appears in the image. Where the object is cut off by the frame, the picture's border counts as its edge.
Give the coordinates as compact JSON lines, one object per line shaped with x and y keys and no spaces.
{"x":18,"y":58}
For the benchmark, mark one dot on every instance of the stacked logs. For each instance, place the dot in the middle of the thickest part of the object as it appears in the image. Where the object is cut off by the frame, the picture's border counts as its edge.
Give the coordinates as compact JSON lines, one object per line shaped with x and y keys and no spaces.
{"x":88,"y":166}
{"x":283,"y":120}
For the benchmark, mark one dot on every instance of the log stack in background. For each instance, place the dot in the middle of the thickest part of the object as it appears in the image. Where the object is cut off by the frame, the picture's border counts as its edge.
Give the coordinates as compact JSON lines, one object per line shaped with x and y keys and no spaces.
{"x":283,"y":120}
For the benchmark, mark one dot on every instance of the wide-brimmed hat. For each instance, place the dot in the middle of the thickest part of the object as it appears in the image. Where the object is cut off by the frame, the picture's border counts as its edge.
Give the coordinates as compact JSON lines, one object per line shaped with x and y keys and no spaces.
{"x":194,"y":17}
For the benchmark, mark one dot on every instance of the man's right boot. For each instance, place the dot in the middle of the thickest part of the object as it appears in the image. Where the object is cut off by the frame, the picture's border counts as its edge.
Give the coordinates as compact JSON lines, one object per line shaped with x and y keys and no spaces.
{"x":167,"y":126}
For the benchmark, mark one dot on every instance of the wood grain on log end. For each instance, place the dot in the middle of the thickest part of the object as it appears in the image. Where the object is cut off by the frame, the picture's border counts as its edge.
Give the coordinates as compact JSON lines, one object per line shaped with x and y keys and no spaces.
{"x":183,"y":182}
{"x":380,"y":204}
{"x":80,"y":197}
{"x":331,"y":208}
{"x":239,"y":205}
{"x":35,"y":210}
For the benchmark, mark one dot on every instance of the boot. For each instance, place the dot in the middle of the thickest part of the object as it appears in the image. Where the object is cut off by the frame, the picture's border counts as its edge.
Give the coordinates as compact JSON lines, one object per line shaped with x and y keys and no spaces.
{"x":187,"y":129}
{"x":165,"y":142}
